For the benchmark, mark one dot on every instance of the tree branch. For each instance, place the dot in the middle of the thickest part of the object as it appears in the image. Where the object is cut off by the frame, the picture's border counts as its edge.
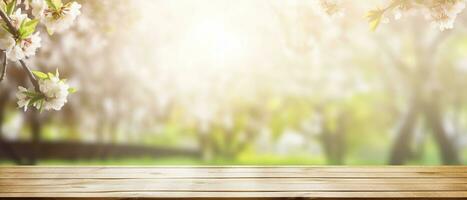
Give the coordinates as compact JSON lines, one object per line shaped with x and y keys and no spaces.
{"x":33,"y":79}
{"x":8,"y":23}
{"x":399,"y":65}
{"x":13,"y":30}
{"x":4,"y":64}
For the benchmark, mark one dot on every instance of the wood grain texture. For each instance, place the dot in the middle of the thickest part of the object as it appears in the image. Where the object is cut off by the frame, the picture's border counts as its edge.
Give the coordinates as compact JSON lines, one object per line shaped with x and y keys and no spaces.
{"x":233,"y":182}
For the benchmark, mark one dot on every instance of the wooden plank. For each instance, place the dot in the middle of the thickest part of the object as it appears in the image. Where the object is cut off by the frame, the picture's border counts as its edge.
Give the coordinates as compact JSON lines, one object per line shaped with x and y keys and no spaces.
{"x":49,"y":181}
{"x":233,"y":182}
{"x":40,"y":169}
{"x":115,"y":186}
{"x":230,"y":172}
{"x":223,"y":195}
{"x":223,"y":175}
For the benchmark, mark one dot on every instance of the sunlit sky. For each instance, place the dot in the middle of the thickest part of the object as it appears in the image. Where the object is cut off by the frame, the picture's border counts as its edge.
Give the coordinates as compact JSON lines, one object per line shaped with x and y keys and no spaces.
{"x":202,"y":49}
{"x":198,"y":43}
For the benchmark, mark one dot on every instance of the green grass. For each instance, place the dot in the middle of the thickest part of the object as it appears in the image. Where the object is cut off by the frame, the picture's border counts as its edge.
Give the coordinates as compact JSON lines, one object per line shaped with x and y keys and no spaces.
{"x":243,"y":160}
{"x":430,"y":157}
{"x":130,"y":161}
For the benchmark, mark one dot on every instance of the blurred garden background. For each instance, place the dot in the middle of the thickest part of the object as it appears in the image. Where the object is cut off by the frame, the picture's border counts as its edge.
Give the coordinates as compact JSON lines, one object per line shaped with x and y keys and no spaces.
{"x":264,"y":82}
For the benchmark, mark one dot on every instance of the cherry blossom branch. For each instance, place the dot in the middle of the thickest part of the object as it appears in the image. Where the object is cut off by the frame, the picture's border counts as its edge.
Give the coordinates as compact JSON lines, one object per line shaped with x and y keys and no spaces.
{"x":14,"y":31}
{"x":30,"y":75}
{"x":8,"y":23}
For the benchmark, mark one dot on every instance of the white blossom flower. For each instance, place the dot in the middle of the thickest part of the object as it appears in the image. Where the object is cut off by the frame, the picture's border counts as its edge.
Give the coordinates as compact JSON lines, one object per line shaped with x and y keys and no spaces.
{"x":58,"y":21}
{"x":52,"y":94}
{"x":31,"y":44}
{"x":55,"y":92}
{"x":404,"y":7}
{"x":17,"y":18}
{"x":441,"y":13}
{"x":397,"y":14}
{"x":455,"y":8}
{"x":444,"y":14}
{"x":332,"y":8}
{"x":38,"y":8}
{"x":23,"y":48}
{"x":20,"y":48}
{"x":23,"y":99}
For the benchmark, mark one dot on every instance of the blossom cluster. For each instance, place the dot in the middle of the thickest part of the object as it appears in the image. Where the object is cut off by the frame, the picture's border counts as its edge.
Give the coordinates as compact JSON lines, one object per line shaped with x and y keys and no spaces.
{"x":441,"y":13}
{"x":57,"y":16}
{"x":20,"y":39}
{"x":52,"y":93}
{"x":332,"y":8}
{"x":444,"y":13}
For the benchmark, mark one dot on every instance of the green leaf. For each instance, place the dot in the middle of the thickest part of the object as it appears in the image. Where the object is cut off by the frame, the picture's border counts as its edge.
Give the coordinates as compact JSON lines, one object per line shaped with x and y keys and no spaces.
{"x":59,"y":3}
{"x":41,"y":107}
{"x":30,"y":93}
{"x":51,"y":75}
{"x":54,"y":4}
{"x":50,"y":4}
{"x":25,"y":33}
{"x":40,"y":75}
{"x":3,"y":5}
{"x":27,"y":28}
{"x":35,"y":99}
{"x":22,"y":31}
{"x":71,"y":90}
{"x":374,"y":18}
{"x":10,"y":7}
{"x":31,"y":23}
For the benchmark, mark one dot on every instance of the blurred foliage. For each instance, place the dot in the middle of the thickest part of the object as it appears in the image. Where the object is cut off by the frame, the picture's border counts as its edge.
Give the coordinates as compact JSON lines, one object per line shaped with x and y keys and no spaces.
{"x":291,"y":88}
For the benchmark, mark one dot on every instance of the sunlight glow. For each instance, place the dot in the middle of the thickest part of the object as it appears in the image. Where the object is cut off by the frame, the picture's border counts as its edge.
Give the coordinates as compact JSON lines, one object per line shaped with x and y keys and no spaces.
{"x":216,"y":43}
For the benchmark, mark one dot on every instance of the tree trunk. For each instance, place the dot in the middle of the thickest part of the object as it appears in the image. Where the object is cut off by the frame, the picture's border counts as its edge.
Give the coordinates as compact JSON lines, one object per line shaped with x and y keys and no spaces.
{"x":447,"y":149}
{"x":5,"y":147}
{"x":206,"y":147}
{"x":334,"y":142}
{"x":401,"y":147}
{"x":325,"y":138}
{"x":35,"y":125}
{"x":340,"y":147}
{"x":100,"y":138}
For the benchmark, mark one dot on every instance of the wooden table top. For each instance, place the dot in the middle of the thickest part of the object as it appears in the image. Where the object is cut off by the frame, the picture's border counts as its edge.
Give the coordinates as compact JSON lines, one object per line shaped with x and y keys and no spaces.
{"x":233,"y":182}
